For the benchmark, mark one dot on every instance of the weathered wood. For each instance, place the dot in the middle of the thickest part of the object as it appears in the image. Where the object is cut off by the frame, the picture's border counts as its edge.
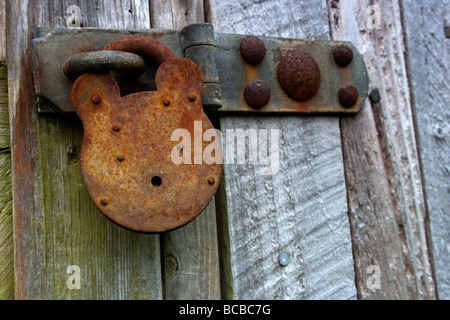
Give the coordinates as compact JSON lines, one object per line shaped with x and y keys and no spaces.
{"x":175,"y":14}
{"x":428,"y":54}
{"x":4,"y":115}
{"x":24,"y":145}
{"x":301,"y":209}
{"x":2,"y":30}
{"x":386,"y":202}
{"x":191,"y":259}
{"x":191,"y":262}
{"x":55,"y":222}
{"x":6,"y":220}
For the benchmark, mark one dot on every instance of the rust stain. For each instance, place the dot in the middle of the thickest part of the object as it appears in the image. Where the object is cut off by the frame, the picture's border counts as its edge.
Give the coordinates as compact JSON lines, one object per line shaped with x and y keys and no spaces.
{"x":126,"y":160}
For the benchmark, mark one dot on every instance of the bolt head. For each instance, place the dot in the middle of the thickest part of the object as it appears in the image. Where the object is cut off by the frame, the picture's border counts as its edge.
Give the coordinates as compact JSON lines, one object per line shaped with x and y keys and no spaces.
{"x":166,"y":102}
{"x":299,"y":75}
{"x":116,"y":127}
{"x":95,"y":99}
{"x":120,"y":157}
{"x":104,"y":201}
{"x":348,"y":96}
{"x":211,"y":180}
{"x":257,"y":94}
{"x":253,"y":49}
{"x":284,"y":258}
{"x":192,"y":97}
{"x":342,"y":55}
{"x":375,"y":96}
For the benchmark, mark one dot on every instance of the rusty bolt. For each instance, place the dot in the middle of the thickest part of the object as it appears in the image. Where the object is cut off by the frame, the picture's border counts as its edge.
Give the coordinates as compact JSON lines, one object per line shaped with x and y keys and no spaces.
{"x":116,"y":127}
{"x":95,"y":99}
{"x":104,"y":201}
{"x":253,"y":49}
{"x":191,"y":97}
{"x":120,"y":157}
{"x":348,"y":96}
{"x":299,"y":75}
{"x":211,"y":180}
{"x":166,"y":102}
{"x":342,"y":55}
{"x":257,"y":94}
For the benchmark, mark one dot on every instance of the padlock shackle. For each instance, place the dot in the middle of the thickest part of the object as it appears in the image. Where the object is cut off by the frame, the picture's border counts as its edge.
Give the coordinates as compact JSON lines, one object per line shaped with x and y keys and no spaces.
{"x":145,"y":47}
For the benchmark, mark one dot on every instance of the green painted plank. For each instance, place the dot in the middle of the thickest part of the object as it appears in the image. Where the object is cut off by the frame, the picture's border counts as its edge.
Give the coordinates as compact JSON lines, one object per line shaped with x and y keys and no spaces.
{"x":56,"y":225}
{"x":6,"y":222}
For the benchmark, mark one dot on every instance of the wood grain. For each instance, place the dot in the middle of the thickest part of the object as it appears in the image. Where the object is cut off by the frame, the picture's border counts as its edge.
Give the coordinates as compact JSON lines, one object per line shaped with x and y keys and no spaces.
{"x":4,"y":115}
{"x":2,"y":30}
{"x":6,"y":219}
{"x":428,"y":54}
{"x":55,"y":222}
{"x":24,"y":140}
{"x":302,"y":209}
{"x":386,"y":201}
{"x":191,"y":259}
{"x":175,"y":14}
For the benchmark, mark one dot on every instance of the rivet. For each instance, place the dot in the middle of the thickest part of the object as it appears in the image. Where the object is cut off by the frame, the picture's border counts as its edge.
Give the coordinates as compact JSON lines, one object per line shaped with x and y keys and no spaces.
{"x":166,"y":102}
{"x":253,"y":49}
{"x":104,"y":201}
{"x":348,"y":96}
{"x":116,"y":127}
{"x":192,"y":97}
{"x":299,"y":75}
{"x":257,"y":94}
{"x":95,"y":99}
{"x":284,"y":258}
{"x":211,"y":180}
{"x":375,"y":95}
{"x":120,"y":157}
{"x":342,"y":55}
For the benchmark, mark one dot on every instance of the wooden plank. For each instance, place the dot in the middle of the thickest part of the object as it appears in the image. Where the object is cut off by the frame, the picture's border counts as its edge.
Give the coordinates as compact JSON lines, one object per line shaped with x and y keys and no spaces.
{"x":175,"y":14}
{"x":386,"y":201}
{"x":428,"y":54}
{"x":24,"y":142}
{"x":301,"y":209}
{"x":6,"y":230}
{"x":55,"y":222}
{"x":191,"y":259}
{"x":2,"y":30}
{"x":6,"y":219}
{"x":4,"y":115}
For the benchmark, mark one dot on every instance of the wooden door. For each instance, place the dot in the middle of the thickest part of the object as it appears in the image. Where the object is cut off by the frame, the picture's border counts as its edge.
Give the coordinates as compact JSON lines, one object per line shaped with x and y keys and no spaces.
{"x":350,"y":194}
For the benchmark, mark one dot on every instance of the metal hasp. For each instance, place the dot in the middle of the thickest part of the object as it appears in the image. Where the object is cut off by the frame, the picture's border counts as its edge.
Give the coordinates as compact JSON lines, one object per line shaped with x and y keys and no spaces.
{"x":126,"y":156}
{"x":241,"y":74}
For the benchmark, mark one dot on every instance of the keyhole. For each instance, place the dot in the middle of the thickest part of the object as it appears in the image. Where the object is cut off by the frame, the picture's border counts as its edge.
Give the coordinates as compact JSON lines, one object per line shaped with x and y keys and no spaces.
{"x":156,"y":181}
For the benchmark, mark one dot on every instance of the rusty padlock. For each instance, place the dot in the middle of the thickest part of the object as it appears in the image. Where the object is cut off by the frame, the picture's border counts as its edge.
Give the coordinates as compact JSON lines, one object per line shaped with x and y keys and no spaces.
{"x":126,"y":161}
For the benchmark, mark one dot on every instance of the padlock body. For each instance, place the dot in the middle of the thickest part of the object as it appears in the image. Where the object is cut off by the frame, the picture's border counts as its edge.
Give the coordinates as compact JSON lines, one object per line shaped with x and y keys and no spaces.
{"x":127,"y":153}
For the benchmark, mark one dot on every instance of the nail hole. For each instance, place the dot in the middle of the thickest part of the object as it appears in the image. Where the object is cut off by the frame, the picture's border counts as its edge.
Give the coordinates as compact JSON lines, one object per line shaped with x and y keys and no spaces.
{"x":156,"y":181}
